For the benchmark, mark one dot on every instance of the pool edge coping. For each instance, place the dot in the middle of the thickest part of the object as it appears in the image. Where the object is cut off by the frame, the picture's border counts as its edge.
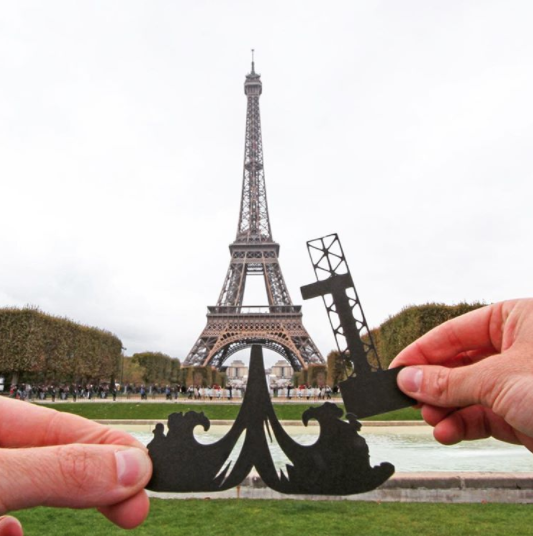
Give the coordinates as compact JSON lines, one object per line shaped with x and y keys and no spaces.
{"x":228,"y":422}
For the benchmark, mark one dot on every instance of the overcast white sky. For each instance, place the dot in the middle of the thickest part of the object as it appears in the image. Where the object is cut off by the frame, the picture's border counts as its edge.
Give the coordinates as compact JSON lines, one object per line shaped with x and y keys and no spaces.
{"x":404,"y":126}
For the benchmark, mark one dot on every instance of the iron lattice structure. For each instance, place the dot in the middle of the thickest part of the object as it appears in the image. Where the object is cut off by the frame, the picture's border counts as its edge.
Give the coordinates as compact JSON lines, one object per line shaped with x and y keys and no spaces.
{"x":231,"y":326}
{"x":345,"y":312}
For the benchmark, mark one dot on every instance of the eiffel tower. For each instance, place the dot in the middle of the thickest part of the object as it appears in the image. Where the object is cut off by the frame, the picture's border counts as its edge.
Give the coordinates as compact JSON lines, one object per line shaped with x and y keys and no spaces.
{"x":231,"y":326}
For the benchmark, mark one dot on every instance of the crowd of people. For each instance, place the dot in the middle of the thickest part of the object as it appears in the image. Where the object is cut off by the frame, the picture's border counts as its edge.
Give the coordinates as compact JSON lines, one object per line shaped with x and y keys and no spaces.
{"x":289,"y":391}
{"x":103,"y":391}
{"x":53,"y":392}
{"x":91,"y":391}
{"x":309,"y":392}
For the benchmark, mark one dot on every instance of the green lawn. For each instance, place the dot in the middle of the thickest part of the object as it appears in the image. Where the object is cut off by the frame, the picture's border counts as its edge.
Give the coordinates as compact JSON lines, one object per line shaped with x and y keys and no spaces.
{"x":292,"y":518}
{"x":216,"y":411}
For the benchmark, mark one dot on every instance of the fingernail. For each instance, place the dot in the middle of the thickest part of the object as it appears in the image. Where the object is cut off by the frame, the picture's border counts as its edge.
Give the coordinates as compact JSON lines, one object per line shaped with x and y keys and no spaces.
{"x":410,"y":379}
{"x":9,"y":526}
{"x":131,"y":464}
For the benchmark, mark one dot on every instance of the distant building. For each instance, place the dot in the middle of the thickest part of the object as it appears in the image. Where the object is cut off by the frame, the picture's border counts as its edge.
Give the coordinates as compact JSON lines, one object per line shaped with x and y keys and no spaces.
{"x":282,"y":370}
{"x":237,"y":370}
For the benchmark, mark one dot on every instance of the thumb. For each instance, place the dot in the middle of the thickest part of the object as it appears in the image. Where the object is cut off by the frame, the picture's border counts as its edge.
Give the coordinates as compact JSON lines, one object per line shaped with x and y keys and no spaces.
{"x":76,"y":476}
{"x":9,"y":526}
{"x":442,"y":386}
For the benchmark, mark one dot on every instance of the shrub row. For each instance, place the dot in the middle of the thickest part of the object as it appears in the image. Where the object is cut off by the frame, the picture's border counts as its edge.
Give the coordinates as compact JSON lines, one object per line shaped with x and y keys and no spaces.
{"x":155,"y":367}
{"x":48,"y":348}
{"x":336,"y":368}
{"x":396,"y":333}
{"x":202,"y":376}
{"x":314,"y":375}
{"x":412,"y":322}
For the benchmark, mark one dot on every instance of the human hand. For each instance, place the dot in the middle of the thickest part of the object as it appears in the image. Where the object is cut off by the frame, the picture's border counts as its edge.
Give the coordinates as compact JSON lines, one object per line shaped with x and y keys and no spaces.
{"x":473,"y":375}
{"x":78,"y":464}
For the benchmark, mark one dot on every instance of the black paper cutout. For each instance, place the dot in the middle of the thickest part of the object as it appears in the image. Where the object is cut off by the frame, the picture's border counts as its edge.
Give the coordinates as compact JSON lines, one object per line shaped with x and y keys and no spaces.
{"x":337,"y":464}
{"x":370,"y":390}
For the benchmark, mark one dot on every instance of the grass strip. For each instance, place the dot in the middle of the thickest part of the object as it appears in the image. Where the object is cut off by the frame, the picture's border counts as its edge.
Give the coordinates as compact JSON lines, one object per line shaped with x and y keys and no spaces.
{"x":156,"y":410}
{"x":292,"y":518}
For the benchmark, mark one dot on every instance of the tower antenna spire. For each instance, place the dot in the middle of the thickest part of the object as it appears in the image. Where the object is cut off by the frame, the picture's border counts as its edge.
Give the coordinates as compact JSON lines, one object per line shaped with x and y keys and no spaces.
{"x":253,"y":63}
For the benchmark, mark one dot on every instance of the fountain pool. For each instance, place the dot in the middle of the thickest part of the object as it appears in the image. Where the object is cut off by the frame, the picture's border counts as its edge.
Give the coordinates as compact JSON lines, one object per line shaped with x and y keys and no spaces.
{"x":409,"y":448}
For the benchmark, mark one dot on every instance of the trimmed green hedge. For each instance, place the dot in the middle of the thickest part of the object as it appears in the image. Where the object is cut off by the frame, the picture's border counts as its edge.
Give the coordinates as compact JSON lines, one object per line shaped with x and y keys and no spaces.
{"x":317,"y":375}
{"x":202,"y":376}
{"x":336,"y":368}
{"x":38,"y":345}
{"x":402,"y":329}
{"x":157,"y":367}
{"x":299,"y":377}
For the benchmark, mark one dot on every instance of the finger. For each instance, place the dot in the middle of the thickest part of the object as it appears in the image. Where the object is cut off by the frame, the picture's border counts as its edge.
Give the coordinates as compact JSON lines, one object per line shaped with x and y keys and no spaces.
{"x":27,"y":425}
{"x":468,"y":358}
{"x":9,"y":526}
{"x":448,"y":387}
{"x":433,"y":414}
{"x":474,"y":422}
{"x":75,"y":476}
{"x":501,"y":383}
{"x":130,"y":513}
{"x":478,"y":330}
